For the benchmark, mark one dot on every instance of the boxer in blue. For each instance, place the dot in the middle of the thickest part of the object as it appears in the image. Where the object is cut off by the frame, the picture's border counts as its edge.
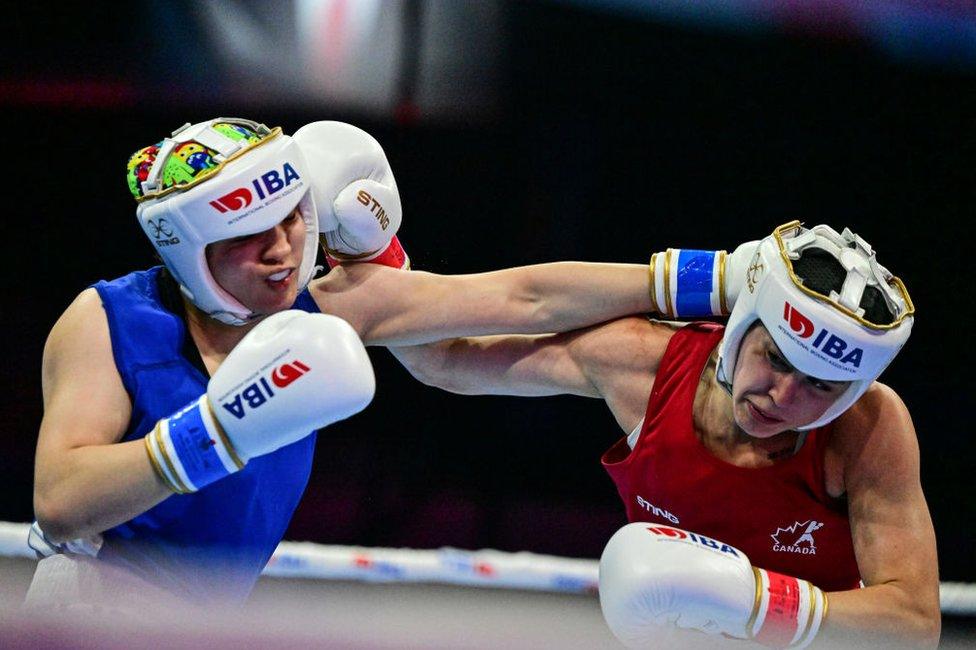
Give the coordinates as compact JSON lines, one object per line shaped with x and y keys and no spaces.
{"x":180,"y":402}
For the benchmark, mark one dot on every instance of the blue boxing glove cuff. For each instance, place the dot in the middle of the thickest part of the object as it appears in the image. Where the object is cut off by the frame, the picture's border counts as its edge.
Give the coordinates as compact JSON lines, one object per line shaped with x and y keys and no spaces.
{"x":190,"y":450}
{"x":688,"y":283}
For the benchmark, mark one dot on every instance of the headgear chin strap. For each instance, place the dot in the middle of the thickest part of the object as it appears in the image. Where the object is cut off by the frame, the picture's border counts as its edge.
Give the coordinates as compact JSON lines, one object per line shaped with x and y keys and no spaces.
{"x":216,"y":180}
{"x":824,"y":336}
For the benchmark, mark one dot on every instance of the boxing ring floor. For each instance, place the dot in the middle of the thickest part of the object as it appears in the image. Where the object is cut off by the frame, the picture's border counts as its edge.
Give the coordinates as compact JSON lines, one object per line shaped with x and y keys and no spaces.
{"x":304,"y":613}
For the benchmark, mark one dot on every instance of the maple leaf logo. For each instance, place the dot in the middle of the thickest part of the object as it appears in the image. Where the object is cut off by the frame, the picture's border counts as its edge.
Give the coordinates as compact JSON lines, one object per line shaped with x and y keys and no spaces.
{"x":801,"y":532}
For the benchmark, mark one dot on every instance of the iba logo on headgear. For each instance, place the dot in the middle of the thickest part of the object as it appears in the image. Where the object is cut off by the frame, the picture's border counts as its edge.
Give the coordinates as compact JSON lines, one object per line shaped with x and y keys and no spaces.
{"x":830,"y":344}
{"x":264,"y":185}
{"x":236,"y":200}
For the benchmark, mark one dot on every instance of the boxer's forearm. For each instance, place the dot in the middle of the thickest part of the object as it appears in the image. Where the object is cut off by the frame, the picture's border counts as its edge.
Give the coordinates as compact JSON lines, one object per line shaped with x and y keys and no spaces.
{"x":539,"y":299}
{"x":392,"y":308}
{"x":886,"y":615}
{"x":95,"y":488}
{"x":526,"y":366}
{"x":570,"y":295}
{"x":536,"y":299}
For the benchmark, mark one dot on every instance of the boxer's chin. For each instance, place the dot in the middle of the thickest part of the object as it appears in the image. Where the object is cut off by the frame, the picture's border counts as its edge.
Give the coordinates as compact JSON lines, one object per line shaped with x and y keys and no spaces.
{"x":755,"y":423}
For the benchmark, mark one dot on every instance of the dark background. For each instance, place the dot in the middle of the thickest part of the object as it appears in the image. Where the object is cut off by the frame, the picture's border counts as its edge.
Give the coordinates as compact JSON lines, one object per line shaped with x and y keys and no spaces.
{"x":610,"y":135}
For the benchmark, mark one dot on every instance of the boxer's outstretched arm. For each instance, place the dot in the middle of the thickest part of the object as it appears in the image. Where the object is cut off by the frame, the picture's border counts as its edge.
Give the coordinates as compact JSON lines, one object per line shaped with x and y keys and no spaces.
{"x":615,"y":361}
{"x":389,"y":307}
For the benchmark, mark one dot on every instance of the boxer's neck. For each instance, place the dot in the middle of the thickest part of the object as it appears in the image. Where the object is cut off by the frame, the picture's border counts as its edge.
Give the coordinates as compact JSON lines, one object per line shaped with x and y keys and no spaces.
{"x":213,"y":339}
{"x":718,"y":432}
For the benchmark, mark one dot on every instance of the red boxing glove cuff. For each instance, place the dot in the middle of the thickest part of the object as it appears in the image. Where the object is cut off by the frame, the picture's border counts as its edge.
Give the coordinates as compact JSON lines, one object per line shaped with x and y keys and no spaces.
{"x":393,"y":255}
{"x":788,"y":610}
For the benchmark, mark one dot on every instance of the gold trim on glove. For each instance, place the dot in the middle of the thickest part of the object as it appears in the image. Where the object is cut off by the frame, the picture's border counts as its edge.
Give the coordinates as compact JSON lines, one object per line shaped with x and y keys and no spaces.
{"x":812,"y":608}
{"x":172,"y":480}
{"x":183,"y":487}
{"x":722,"y":305}
{"x":342,"y":257}
{"x":652,"y":289}
{"x":155,"y":465}
{"x":667,"y":284}
{"x":750,"y":633}
{"x":223,"y":436}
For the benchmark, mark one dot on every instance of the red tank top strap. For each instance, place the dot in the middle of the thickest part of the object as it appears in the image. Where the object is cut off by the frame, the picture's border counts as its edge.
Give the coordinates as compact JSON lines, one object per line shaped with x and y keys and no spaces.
{"x":675,"y":382}
{"x":681,"y":366}
{"x":813,"y":453}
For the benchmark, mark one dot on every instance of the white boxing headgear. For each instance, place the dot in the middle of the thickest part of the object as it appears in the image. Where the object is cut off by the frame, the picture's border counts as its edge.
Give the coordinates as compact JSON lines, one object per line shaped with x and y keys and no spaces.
{"x":216,"y":180}
{"x":830,"y":335}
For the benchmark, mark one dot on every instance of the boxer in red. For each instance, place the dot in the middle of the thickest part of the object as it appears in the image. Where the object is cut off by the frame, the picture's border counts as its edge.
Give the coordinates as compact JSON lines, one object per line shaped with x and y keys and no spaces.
{"x":766,"y":441}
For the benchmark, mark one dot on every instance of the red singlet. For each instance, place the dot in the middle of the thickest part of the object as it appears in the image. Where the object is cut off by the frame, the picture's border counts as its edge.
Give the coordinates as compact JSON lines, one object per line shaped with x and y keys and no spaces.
{"x":781,"y":516}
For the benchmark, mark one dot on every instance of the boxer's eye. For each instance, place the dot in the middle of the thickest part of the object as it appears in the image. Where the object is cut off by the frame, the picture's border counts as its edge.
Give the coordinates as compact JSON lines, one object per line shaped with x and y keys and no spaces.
{"x":820,"y":385}
{"x":826,"y":386}
{"x":778,"y":362}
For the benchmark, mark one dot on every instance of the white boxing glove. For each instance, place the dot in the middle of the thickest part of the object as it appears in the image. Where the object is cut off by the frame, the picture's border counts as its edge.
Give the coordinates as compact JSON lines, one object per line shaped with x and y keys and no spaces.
{"x":653,"y":575}
{"x":293,"y":373}
{"x":737,"y":270}
{"x":355,"y":193}
{"x":689,"y":283}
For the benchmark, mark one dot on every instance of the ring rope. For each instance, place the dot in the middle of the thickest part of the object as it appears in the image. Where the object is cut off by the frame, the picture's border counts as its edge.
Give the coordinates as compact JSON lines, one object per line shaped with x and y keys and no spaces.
{"x":482,"y":568}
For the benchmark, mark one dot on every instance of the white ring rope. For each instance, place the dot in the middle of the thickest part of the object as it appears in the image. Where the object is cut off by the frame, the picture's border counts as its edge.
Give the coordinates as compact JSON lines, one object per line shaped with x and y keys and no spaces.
{"x":484,"y":568}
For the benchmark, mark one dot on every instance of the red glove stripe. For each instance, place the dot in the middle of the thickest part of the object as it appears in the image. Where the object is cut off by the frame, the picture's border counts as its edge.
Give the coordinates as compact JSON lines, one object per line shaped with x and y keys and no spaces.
{"x":779,"y":627}
{"x":393,"y":255}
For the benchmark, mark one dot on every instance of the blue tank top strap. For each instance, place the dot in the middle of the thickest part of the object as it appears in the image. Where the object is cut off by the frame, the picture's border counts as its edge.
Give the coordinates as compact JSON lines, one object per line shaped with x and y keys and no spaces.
{"x":305,"y":302}
{"x":129,"y":302}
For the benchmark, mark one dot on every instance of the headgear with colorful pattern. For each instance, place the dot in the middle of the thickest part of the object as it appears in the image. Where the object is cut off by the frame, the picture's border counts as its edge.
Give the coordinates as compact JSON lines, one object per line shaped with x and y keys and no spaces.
{"x":219,"y":179}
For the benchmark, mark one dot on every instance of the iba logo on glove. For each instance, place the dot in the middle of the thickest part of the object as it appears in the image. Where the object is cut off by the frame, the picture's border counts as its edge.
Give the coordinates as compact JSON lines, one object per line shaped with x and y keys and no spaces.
{"x":259,"y":392}
{"x":692,"y":538}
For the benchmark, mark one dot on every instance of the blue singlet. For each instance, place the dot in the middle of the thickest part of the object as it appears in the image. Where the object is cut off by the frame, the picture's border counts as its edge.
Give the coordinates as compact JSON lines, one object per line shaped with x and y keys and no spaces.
{"x":215,"y":542}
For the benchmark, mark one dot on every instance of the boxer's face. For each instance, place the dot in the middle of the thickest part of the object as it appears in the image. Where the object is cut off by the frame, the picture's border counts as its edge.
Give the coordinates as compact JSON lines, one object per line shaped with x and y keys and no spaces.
{"x":769,"y":395}
{"x":261,"y":270}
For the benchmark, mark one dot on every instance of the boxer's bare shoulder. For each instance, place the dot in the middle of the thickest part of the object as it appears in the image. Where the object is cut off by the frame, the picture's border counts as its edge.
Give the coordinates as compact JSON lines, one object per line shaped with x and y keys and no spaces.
{"x":875,"y":435}
{"x":634,"y":343}
{"x":621,"y":359}
{"x":78,"y":349}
